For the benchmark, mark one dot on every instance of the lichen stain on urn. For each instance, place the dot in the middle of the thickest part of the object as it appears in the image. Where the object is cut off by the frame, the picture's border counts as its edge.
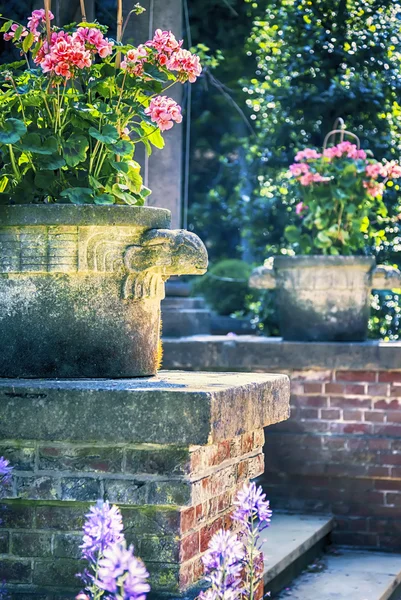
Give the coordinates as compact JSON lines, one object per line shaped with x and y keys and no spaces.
{"x":83,"y":300}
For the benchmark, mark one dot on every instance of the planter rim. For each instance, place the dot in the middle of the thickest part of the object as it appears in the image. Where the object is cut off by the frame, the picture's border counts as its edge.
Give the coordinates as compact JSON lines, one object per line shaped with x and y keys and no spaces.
{"x":317,"y":261}
{"x":148,"y":217}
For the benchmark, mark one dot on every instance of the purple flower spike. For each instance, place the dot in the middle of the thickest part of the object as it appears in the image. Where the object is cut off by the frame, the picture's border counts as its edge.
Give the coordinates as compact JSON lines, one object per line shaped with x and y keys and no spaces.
{"x":121,"y":573}
{"x":103,"y":528}
{"x":5,"y":470}
{"x":223,"y":562}
{"x":251,"y":503}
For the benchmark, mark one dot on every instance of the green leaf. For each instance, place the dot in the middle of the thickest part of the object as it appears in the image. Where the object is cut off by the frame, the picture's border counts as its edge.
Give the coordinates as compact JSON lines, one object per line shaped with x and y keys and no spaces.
{"x":292,"y":234}
{"x":17,"y":33}
{"x":51,"y":163}
{"x":95,"y":183}
{"x":74,"y":150}
{"x":121,"y":192}
{"x":28,"y":41}
{"x":322,"y":240}
{"x":11,"y":131}
{"x":32,"y":142}
{"x":6,"y":26}
{"x":123,"y":148}
{"x":44,"y":179}
{"x":78,"y":195}
{"x":145,"y":191}
{"x":153,"y":135}
{"x":108,"y":135}
{"x":119,"y":166}
{"x":3,"y":183}
{"x":104,"y":199}
{"x":133,"y":178}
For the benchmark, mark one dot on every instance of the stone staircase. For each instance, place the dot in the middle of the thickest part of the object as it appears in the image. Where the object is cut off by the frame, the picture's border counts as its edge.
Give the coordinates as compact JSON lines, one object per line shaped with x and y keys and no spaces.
{"x":300,"y":564}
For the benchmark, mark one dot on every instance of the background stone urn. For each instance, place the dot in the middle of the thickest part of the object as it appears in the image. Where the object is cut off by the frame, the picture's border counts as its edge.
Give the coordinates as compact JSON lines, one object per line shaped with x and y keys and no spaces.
{"x":324,"y":298}
{"x":80,"y":288}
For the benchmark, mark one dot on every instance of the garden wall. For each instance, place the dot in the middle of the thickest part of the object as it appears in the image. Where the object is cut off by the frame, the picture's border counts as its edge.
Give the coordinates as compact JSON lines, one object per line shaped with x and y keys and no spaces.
{"x":340,"y":451}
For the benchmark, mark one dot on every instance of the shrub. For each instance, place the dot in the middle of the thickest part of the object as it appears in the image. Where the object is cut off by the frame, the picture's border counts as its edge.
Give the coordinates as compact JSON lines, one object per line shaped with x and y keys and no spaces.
{"x":225,"y":287}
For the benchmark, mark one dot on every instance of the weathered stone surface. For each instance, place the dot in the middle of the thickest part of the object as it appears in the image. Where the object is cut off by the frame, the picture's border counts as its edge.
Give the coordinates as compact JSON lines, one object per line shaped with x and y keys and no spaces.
{"x":263,"y":354}
{"x":172,"y":451}
{"x":324,"y":298}
{"x":72,"y":277}
{"x":216,"y":407}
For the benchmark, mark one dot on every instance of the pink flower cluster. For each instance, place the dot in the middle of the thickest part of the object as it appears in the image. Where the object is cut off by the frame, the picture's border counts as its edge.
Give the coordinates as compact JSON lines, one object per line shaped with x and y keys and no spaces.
{"x":94,"y":40}
{"x":374,"y":188}
{"x":392,"y":170}
{"x":350,"y":150}
{"x":187,"y":64}
{"x":36,"y":19}
{"x":168,"y":54}
{"x":307,"y":154}
{"x":70,"y":52}
{"x":163,"y":111}
{"x":135,"y":60}
{"x":303,"y":172}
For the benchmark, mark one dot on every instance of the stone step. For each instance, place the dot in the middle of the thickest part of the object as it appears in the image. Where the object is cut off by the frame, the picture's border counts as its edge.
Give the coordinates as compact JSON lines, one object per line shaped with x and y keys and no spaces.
{"x":348,"y":574}
{"x":290,"y":544}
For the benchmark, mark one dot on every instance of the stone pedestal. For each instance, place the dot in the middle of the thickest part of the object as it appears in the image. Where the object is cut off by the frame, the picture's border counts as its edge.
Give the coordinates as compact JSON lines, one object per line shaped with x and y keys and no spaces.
{"x":172,"y":451}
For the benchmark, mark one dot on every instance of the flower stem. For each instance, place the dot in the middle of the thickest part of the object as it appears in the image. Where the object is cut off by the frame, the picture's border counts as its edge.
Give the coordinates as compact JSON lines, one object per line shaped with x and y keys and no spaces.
{"x":14,"y":163}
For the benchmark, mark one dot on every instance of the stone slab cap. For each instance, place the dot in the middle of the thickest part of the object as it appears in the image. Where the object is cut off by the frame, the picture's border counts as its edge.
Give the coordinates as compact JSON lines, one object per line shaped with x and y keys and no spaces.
{"x":67,"y":214}
{"x":174,"y":407}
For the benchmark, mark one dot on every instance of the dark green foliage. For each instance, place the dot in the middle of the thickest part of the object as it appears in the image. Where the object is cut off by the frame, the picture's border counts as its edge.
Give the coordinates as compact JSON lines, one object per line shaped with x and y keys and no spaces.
{"x":225,"y":286}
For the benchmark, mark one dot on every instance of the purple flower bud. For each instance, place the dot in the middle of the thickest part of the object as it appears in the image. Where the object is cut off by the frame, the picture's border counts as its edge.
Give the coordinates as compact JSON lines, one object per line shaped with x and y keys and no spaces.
{"x":251,"y":503}
{"x":5,"y":470}
{"x":103,"y":527}
{"x":121,"y":573}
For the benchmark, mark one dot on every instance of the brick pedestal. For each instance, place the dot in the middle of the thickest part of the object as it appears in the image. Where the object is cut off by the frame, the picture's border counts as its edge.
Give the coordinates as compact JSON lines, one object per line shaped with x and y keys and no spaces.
{"x":172,"y":451}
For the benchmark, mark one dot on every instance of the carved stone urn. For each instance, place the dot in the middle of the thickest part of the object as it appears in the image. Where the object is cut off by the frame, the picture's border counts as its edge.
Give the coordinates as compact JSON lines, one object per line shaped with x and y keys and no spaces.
{"x":324,"y":298}
{"x":80,"y":288}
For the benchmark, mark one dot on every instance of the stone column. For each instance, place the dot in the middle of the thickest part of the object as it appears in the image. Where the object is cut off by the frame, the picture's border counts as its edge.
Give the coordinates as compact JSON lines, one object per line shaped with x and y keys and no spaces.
{"x":172,"y":451}
{"x":163,"y":169}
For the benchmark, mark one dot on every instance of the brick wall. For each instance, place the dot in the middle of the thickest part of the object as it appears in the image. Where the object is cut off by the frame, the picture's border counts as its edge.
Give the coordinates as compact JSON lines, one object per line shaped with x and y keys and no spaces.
{"x":340,"y":452}
{"x":173,"y":500}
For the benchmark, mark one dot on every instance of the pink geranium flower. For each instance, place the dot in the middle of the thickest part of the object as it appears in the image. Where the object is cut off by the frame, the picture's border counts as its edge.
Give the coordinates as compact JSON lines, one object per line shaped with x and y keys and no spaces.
{"x":164,"y":112}
{"x":300,"y":207}
{"x":392,"y":170}
{"x":308,"y":153}
{"x":187,"y":64}
{"x":299,"y":169}
{"x":135,"y":60}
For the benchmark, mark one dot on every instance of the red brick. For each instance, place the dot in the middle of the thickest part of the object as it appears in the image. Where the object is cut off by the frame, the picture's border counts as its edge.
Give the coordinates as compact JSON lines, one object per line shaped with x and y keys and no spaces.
{"x":224,"y":501}
{"x":378,"y":389}
{"x":311,"y":401}
{"x":207,"y":533}
{"x":389,"y":458}
{"x":242,"y":470}
{"x":330,"y":414}
{"x":387,"y":404}
{"x":256,"y":466}
{"x":393,"y":416}
{"x":396,"y":473}
{"x":389,"y":430}
{"x":357,"y":428}
{"x":374,"y":471}
{"x":374,"y":416}
{"x":334,"y":388}
{"x":187,"y":519}
{"x":189,"y":546}
{"x":308,"y":413}
{"x":355,"y":376}
{"x":388,"y":484}
{"x":390,"y":376}
{"x":186,"y":575}
{"x":379,"y":444}
{"x":393,"y":499}
{"x":313,"y":388}
{"x":352,"y":415}
{"x":350,"y":402}
{"x":395,"y":390}
{"x":355,"y":389}
{"x":247,"y":443}
{"x":258,"y":438}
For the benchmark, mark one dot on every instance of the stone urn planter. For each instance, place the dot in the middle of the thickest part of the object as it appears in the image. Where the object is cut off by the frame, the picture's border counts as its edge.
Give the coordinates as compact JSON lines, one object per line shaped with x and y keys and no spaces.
{"x":80,"y":288}
{"x":324,"y":298}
